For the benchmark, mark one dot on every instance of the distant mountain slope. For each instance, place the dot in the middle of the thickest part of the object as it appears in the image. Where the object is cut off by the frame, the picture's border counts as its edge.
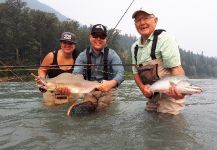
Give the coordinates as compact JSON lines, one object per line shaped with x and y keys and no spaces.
{"x":35,"y":4}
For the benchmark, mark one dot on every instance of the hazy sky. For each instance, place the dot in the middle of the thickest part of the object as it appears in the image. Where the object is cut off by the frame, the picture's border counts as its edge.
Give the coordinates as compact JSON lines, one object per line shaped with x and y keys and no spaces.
{"x":192,"y":22}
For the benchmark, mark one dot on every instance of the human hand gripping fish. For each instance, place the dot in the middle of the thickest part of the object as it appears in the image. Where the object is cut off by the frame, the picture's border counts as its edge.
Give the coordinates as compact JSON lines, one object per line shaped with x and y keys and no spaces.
{"x":106,"y":85}
{"x":174,"y":93}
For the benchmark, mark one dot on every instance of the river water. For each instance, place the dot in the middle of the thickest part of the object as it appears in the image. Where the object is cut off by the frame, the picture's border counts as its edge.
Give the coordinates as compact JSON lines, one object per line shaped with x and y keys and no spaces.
{"x":25,"y":123}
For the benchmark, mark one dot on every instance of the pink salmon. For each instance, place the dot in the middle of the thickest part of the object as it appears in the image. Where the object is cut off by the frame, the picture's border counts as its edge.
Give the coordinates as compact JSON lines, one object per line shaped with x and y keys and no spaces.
{"x":181,"y":83}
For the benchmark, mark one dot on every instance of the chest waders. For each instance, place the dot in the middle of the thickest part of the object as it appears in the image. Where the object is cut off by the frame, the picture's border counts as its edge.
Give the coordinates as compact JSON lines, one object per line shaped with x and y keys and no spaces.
{"x":149,"y":73}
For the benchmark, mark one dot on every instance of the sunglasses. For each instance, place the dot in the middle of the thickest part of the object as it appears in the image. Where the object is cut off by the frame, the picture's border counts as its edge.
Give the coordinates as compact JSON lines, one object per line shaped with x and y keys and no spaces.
{"x":67,"y":43}
{"x":95,"y":36}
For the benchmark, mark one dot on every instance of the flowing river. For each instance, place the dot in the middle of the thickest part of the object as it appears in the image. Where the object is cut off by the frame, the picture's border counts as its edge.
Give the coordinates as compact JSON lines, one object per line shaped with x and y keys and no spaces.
{"x":25,"y":123}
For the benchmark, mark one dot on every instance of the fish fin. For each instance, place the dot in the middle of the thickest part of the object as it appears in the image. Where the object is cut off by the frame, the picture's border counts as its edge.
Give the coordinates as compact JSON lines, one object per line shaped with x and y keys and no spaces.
{"x":70,"y":109}
{"x":82,"y":108}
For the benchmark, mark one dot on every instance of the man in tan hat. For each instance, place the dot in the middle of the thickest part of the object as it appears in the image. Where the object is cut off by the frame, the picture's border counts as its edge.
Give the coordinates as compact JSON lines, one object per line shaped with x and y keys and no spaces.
{"x":158,"y":55}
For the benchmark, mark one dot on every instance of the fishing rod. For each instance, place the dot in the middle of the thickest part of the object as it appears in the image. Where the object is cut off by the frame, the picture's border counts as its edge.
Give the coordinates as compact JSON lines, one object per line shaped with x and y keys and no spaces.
{"x":113,"y":30}
{"x":37,"y":66}
{"x":12,"y":72}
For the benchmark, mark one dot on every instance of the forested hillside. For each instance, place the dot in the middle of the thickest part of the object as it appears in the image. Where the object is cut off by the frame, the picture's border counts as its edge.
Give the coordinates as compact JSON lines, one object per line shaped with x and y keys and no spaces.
{"x":35,"y":4}
{"x":27,"y":35}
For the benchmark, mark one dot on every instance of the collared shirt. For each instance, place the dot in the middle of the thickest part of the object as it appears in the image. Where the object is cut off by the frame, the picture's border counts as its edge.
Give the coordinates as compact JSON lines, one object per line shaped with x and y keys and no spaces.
{"x":167,"y":49}
{"x":116,"y":72}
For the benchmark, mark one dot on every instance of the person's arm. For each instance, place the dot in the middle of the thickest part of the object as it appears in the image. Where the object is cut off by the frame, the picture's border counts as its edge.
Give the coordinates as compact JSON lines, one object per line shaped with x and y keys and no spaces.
{"x":172,"y":61}
{"x":118,"y":70}
{"x":143,"y":88}
{"x":48,"y":59}
{"x":42,"y":71}
{"x":107,"y":85}
{"x":176,"y":71}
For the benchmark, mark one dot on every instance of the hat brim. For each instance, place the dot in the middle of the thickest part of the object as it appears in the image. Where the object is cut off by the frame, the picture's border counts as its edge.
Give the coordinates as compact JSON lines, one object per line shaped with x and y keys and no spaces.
{"x":68,"y":41}
{"x":143,"y":11}
{"x":98,"y":33}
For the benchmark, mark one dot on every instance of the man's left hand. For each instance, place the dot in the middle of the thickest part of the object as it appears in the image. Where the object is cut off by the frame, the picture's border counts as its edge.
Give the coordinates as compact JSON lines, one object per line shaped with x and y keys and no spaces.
{"x":105,"y":86}
{"x":174,"y":93}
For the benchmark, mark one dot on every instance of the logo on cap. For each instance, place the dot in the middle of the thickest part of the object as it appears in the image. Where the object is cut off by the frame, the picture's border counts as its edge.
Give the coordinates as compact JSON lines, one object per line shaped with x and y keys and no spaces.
{"x":67,"y":36}
{"x":100,"y":27}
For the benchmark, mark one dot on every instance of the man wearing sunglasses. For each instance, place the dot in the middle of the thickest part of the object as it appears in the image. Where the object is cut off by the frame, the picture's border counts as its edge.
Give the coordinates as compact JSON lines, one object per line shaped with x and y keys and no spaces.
{"x":102,"y":69}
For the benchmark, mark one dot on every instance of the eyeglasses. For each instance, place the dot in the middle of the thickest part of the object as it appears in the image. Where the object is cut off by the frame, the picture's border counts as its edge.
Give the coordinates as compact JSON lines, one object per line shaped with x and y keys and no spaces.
{"x":143,"y":19}
{"x":95,"y":36}
{"x":67,"y":43}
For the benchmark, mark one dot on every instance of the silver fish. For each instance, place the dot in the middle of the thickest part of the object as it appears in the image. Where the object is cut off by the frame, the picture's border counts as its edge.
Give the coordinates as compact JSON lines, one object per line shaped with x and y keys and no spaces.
{"x":75,"y":83}
{"x":181,"y":83}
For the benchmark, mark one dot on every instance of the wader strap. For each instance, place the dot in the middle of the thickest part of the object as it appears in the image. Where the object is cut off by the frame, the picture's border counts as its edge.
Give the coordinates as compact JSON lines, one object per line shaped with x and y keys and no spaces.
{"x":135,"y":52}
{"x":54,"y":58}
{"x":154,"y":43}
{"x":105,"y":60}
{"x":88,"y":67}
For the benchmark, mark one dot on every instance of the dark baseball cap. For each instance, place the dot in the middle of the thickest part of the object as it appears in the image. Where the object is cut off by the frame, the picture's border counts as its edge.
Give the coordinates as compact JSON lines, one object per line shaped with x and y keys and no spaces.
{"x":99,"y":29}
{"x":68,"y":37}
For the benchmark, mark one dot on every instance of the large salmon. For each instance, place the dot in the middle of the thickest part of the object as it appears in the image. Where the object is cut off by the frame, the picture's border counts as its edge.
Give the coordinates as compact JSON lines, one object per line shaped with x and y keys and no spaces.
{"x":181,"y":83}
{"x":76,"y":83}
